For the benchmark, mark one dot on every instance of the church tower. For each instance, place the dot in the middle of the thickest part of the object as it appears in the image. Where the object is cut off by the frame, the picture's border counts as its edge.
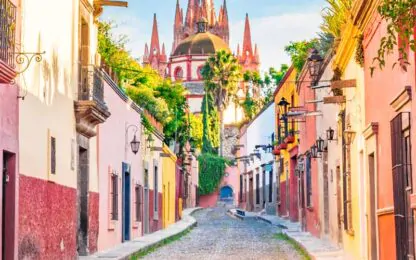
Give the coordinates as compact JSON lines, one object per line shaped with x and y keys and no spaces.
{"x":197,"y":9}
{"x":154,"y":56}
{"x":248,"y":59}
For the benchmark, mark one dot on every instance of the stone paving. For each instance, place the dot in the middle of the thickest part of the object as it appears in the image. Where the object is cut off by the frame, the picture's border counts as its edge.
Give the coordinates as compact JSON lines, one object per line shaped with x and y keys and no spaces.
{"x":220,"y":236}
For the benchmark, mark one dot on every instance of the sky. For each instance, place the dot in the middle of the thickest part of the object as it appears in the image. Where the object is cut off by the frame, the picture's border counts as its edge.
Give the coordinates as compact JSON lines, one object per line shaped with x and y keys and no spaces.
{"x":274,"y":23}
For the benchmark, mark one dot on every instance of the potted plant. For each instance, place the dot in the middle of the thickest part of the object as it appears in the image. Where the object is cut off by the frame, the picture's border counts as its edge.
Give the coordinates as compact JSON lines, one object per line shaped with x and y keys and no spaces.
{"x":290,"y":139}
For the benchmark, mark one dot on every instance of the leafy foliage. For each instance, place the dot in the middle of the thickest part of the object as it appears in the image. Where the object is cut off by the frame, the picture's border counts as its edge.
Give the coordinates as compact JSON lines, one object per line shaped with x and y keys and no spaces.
{"x":211,"y":171}
{"x":195,"y":122}
{"x":299,"y":51}
{"x":221,"y":74}
{"x":335,"y":16}
{"x":210,"y":125}
{"x":164,"y":100}
{"x":401,"y":19}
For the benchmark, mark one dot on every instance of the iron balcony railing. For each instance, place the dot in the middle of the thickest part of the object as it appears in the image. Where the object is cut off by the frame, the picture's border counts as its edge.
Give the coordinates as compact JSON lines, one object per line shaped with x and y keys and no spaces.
{"x":7,"y":31}
{"x":91,"y":84}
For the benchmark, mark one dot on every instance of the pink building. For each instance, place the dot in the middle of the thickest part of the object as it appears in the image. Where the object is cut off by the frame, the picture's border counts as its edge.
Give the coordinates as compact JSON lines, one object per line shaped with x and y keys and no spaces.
{"x":309,"y":190}
{"x":9,"y":138}
{"x":120,"y":170}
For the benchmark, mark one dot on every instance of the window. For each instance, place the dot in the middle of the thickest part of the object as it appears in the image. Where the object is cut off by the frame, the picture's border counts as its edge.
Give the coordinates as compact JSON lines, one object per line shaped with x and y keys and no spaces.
{"x":114,"y":197}
{"x":178,"y":73}
{"x":257,"y":188}
{"x":53,"y":155}
{"x":308,"y":182}
{"x":138,"y":195}
{"x":7,"y":31}
{"x":271,"y":185}
{"x":156,"y":195}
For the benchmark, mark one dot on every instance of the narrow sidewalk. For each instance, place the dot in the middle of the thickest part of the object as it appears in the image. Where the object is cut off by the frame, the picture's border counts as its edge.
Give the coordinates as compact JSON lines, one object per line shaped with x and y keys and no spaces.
{"x":317,"y":248}
{"x":127,"y":249}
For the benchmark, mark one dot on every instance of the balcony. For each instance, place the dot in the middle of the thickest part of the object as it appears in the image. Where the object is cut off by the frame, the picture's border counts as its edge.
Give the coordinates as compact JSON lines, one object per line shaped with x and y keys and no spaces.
{"x":90,"y":108}
{"x":7,"y":41}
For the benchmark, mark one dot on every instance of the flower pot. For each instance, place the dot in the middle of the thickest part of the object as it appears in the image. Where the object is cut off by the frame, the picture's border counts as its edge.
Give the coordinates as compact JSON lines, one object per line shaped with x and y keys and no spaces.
{"x":283,"y":146}
{"x":276,"y":151}
{"x":290,"y":139}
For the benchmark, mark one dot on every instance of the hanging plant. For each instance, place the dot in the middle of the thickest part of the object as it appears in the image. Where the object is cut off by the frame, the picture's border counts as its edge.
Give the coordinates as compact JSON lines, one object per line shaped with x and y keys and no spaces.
{"x":400,"y":17}
{"x":359,"y":51}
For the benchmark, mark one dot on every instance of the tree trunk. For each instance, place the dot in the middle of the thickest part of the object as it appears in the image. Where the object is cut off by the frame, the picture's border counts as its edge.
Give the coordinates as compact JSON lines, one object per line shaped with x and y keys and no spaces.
{"x":221,"y":152}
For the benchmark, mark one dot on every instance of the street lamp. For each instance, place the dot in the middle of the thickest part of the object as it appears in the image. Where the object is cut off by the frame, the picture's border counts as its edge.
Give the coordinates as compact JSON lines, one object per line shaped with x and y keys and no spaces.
{"x":134,"y":144}
{"x":315,"y":63}
{"x":314,"y":151}
{"x":330,"y":134}
{"x":320,"y":145}
{"x":349,"y":136}
{"x":283,"y":105}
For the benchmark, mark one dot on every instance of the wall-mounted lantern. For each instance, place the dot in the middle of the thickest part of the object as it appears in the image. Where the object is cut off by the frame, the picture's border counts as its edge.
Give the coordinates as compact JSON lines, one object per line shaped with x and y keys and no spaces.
{"x":135,"y":143}
{"x":315,"y":63}
{"x":320,"y":145}
{"x":330,"y":134}
{"x":349,"y":136}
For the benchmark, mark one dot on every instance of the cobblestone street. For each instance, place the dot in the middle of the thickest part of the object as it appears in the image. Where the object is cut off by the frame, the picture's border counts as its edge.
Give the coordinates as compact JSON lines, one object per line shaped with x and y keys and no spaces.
{"x":219,"y":236}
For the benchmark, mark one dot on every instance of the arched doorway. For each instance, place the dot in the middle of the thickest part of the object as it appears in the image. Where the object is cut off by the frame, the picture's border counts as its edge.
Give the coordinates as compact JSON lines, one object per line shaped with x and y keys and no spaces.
{"x":226,"y":193}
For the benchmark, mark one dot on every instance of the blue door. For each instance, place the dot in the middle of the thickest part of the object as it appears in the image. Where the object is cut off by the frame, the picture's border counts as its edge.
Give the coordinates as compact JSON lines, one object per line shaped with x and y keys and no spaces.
{"x":226,"y":193}
{"x":126,"y":202}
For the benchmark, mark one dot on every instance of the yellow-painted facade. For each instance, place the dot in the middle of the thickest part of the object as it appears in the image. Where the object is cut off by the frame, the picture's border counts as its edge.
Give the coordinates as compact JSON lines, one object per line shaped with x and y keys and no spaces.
{"x":355,"y":237}
{"x":287,"y":90}
{"x":169,"y":186}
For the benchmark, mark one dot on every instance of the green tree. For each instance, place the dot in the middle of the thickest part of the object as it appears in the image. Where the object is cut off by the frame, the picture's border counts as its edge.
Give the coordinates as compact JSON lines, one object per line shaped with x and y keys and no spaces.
{"x":210,"y":125}
{"x":299,"y":52}
{"x":335,"y":16}
{"x":221,"y":73}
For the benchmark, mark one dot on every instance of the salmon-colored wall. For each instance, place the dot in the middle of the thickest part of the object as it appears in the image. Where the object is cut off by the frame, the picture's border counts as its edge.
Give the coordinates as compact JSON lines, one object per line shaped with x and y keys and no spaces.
{"x":307,"y":138}
{"x":381,"y":89}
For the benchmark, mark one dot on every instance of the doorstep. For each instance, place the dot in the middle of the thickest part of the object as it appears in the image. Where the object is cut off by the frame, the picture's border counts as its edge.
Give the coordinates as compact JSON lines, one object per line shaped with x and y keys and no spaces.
{"x":127,"y":249}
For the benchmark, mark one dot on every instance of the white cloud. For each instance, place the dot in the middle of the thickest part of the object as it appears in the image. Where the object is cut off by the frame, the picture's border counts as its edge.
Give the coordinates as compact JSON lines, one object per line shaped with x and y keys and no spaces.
{"x":273,"y":33}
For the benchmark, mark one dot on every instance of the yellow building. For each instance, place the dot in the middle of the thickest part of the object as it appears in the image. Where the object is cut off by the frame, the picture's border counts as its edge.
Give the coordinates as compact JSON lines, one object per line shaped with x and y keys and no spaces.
{"x":169,"y":186}
{"x":286,"y":143}
{"x":352,"y":120}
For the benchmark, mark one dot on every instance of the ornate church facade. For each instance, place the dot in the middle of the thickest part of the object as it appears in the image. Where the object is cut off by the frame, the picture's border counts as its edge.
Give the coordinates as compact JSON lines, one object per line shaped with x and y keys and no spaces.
{"x":196,"y":36}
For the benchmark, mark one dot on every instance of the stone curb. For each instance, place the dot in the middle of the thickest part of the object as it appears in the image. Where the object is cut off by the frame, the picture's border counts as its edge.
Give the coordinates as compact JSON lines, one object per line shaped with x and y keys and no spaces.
{"x":136,"y":246}
{"x":271,"y":223}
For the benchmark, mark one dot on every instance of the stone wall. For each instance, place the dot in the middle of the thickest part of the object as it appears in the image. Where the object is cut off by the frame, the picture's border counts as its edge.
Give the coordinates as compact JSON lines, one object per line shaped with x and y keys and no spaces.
{"x":230,"y":139}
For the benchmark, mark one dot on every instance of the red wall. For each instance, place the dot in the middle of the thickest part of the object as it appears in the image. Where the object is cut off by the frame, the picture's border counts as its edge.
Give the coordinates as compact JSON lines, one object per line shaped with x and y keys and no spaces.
{"x":155,"y":225}
{"x":47,"y":218}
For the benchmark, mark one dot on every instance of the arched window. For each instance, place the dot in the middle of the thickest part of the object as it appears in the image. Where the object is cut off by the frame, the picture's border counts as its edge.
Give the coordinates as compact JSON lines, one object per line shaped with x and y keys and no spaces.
{"x":178,"y":74}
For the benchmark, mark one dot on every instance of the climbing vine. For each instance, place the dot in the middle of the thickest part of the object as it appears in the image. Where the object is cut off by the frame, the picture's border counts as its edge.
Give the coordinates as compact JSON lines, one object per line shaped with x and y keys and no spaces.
{"x":359,"y":51}
{"x":401,"y":19}
{"x":211,"y":171}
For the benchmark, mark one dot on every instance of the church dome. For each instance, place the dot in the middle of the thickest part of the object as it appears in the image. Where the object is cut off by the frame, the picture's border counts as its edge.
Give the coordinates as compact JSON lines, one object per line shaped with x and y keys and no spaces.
{"x":204,"y":43}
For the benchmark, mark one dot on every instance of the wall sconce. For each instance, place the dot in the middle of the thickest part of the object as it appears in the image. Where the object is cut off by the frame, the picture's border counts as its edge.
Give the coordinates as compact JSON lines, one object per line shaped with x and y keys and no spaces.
{"x":349,"y":136}
{"x":320,"y":145}
{"x":134,"y":144}
{"x":330,"y":134}
{"x":314,"y":151}
{"x":315,"y":63}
